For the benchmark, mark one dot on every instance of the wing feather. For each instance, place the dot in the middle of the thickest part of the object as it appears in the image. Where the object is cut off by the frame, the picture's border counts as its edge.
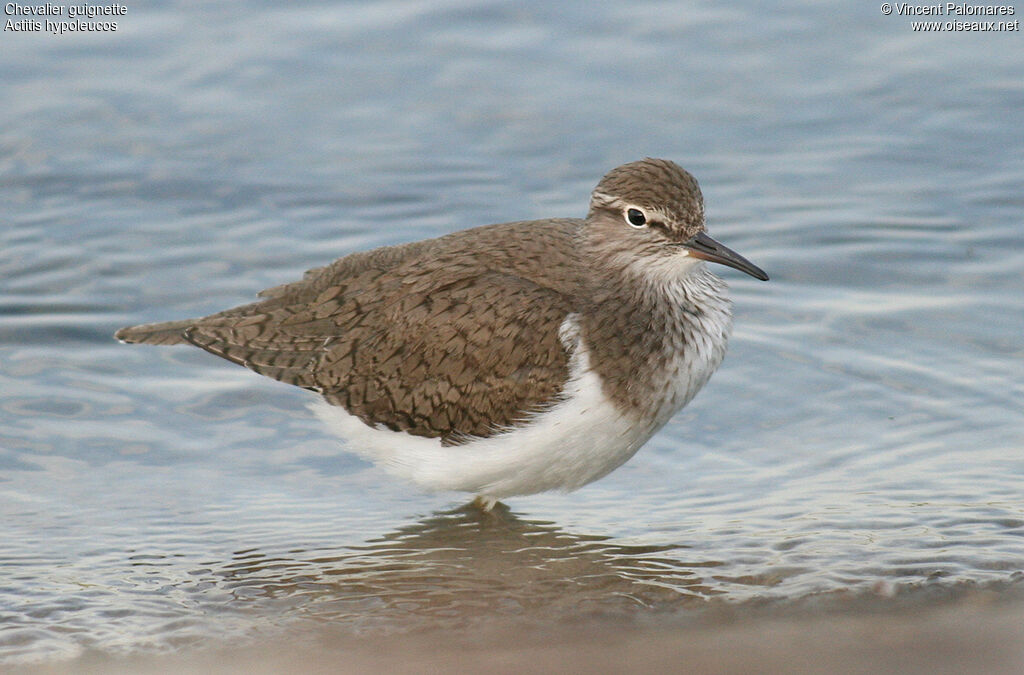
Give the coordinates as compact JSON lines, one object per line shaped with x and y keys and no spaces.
{"x":448,"y":338}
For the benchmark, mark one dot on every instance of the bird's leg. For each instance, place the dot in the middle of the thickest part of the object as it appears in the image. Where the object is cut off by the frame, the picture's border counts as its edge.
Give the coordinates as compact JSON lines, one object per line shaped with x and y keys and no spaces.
{"x":484,"y":503}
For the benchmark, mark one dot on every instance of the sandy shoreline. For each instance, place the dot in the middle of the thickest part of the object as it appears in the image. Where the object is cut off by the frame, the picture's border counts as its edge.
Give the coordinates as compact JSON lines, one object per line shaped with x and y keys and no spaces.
{"x":981,"y":632}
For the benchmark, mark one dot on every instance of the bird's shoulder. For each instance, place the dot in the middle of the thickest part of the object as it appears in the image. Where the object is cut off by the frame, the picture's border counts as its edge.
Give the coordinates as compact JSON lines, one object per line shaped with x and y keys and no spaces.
{"x":542,"y":252}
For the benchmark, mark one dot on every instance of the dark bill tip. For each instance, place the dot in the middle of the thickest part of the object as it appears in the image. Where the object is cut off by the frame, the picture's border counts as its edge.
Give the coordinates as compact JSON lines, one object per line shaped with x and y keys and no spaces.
{"x":704,"y":247}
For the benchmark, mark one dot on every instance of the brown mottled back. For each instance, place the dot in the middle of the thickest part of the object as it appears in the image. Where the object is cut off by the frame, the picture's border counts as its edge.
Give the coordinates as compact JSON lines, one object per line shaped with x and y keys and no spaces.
{"x":449,"y":338}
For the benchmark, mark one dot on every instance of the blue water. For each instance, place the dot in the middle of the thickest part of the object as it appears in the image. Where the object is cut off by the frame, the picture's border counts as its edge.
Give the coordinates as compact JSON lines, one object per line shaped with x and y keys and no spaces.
{"x":864,"y":435}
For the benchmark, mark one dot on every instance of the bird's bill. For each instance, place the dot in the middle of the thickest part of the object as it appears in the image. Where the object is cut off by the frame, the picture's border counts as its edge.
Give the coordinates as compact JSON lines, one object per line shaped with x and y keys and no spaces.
{"x":704,"y":247}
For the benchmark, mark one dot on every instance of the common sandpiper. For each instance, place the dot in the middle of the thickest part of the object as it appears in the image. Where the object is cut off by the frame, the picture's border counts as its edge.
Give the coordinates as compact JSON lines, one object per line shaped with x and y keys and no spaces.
{"x":507,"y":359}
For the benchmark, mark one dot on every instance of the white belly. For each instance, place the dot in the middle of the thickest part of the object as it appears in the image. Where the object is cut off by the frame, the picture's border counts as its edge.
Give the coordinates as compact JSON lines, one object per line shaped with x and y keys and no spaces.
{"x":580,"y":439}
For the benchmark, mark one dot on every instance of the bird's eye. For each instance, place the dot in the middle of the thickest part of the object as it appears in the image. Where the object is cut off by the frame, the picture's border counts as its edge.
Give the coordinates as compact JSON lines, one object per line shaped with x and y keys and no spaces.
{"x":636,"y":217}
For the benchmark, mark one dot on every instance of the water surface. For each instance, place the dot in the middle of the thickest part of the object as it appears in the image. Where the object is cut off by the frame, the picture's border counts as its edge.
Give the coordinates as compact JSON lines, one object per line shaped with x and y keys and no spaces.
{"x":863,"y":437}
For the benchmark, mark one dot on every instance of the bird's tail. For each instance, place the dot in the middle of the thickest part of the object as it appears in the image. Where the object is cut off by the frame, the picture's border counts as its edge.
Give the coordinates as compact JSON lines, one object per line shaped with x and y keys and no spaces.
{"x":166,"y":333}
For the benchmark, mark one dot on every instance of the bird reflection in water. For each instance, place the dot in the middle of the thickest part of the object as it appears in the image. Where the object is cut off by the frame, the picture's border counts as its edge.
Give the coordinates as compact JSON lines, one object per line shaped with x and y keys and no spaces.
{"x":465,"y":565}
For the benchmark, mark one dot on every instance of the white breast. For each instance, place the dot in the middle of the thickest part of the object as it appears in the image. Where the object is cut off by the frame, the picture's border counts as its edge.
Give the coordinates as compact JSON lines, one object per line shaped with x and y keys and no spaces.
{"x":580,"y":439}
{"x":696,"y":346}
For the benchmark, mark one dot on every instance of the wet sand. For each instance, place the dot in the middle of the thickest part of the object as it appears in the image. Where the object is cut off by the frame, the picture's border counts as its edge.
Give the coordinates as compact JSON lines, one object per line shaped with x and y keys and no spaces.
{"x":979,"y":632}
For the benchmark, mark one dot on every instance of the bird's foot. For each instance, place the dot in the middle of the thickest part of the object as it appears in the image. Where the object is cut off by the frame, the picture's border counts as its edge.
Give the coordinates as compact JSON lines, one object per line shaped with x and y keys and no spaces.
{"x":484,"y":503}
